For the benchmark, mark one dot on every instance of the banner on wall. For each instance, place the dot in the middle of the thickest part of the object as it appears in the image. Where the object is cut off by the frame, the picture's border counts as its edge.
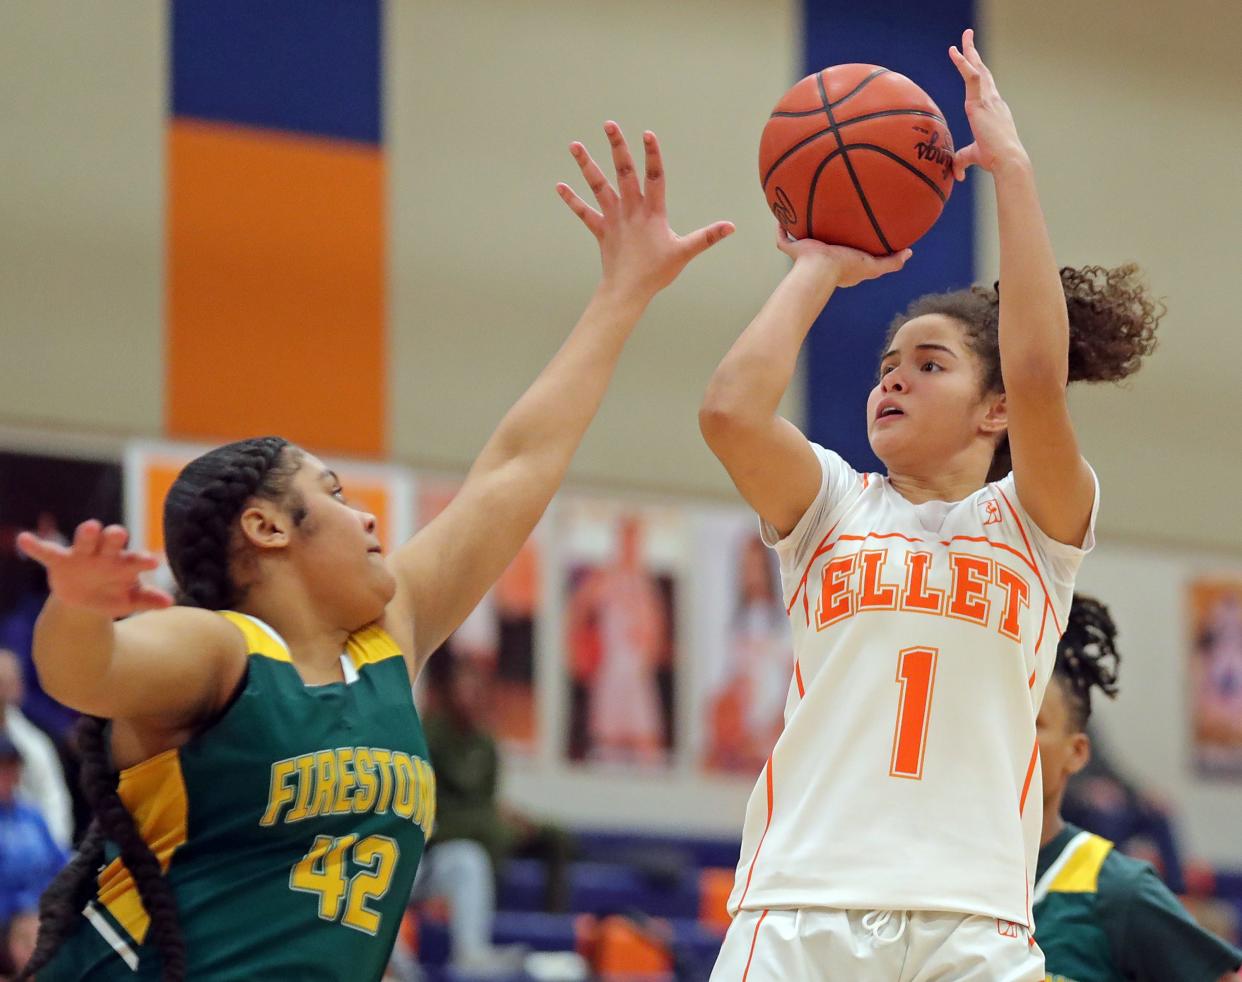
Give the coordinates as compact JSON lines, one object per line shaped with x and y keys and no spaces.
{"x":150,"y":468}
{"x":498,"y":641}
{"x":1215,"y":674}
{"x":621,"y":577}
{"x":744,"y":650}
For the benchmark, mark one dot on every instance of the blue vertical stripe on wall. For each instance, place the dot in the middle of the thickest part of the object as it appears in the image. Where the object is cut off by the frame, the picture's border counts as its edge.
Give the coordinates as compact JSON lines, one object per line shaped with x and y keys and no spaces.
{"x":308,"y":67}
{"x":843,"y":349}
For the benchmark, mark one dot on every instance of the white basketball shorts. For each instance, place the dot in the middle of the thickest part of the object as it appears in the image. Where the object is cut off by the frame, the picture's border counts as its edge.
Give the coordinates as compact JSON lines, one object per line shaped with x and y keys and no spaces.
{"x":831,"y":945}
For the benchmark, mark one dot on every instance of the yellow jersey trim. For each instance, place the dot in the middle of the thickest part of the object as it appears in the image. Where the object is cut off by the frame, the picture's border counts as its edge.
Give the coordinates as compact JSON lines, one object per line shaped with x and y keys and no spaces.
{"x":371,"y":644}
{"x":154,"y":793}
{"x":260,"y":639}
{"x":1082,"y":873}
{"x":365,"y":647}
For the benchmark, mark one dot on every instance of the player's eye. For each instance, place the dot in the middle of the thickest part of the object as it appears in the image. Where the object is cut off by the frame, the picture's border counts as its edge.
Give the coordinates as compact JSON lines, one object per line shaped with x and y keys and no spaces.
{"x":885,"y":369}
{"x":338,"y":492}
{"x":930,"y":365}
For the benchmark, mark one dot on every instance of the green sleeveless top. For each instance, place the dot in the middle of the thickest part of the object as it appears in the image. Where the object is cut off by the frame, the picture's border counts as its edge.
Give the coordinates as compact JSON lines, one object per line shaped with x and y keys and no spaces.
{"x":290,"y":830}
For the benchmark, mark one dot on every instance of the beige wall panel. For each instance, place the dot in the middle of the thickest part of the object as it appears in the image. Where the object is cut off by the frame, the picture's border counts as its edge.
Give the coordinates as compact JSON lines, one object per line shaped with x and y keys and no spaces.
{"x":490,"y":270}
{"x":1129,"y":110}
{"x":81,"y":205}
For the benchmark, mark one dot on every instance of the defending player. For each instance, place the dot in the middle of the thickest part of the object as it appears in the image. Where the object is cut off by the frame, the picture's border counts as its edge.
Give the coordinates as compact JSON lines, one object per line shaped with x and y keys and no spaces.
{"x":893,"y":833}
{"x":1103,"y":917}
{"x":274,"y":795}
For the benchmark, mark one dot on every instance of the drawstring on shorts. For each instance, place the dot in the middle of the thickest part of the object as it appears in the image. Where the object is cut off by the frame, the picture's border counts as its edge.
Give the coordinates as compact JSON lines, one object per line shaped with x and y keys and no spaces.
{"x":875,"y":921}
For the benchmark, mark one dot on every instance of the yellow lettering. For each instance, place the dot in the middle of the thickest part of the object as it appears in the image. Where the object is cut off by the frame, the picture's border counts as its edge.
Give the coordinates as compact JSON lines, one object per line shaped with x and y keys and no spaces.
{"x":407,"y":779}
{"x":305,"y":764}
{"x":325,"y":783}
{"x":280,"y":793}
{"x":368,"y":784}
{"x":382,"y":758}
{"x":345,"y":780}
{"x":428,"y":823}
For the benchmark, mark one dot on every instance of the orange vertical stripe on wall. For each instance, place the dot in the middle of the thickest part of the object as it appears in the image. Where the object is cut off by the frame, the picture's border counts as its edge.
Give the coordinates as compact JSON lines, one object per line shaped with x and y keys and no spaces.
{"x":275,"y":288}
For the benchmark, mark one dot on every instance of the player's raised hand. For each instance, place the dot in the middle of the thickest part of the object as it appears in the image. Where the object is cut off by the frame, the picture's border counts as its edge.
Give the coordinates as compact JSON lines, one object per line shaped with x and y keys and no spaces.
{"x":845,"y":266}
{"x":640,"y":253}
{"x":95,"y":571}
{"x":991,"y":122}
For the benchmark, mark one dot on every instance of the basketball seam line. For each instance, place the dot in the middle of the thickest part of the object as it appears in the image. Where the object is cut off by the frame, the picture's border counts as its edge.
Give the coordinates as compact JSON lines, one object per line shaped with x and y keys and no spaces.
{"x":810,"y":212}
{"x":841,"y":125}
{"x":863,"y":118}
{"x":852,"y":92}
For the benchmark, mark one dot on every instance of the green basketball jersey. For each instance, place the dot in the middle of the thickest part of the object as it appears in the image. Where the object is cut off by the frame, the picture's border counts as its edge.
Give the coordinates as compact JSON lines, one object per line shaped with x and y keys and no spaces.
{"x":1101,"y":916}
{"x":290,"y":830}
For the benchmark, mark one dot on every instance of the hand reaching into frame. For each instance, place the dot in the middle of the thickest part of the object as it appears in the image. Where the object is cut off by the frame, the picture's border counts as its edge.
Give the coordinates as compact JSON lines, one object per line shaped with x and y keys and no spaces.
{"x":96,"y":572}
{"x":640,"y":254}
{"x":991,"y":122}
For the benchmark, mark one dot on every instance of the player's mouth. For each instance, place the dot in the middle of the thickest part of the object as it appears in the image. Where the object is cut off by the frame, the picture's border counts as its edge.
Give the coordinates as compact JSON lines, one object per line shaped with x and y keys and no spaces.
{"x":888,"y":409}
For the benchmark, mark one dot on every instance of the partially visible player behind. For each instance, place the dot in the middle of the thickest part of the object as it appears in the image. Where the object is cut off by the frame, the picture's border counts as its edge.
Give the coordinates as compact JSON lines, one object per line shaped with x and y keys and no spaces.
{"x":892,"y":834}
{"x":274,"y":793}
{"x":1102,"y":916}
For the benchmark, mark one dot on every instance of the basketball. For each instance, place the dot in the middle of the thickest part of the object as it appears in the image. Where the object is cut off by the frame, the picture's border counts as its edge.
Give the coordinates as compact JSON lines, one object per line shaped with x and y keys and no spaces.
{"x":857,"y":155}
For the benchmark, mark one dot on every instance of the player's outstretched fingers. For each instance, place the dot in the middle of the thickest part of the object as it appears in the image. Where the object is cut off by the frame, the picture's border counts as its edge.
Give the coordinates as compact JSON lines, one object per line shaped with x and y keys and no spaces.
{"x":653,"y":186}
{"x":623,"y":161}
{"x":966,"y":157}
{"x":595,"y":178}
{"x":86,"y":538}
{"x":143,"y":598}
{"x":112,"y":540}
{"x":970,"y":74}
{"x":591,"y":218}
{"x":705,"y":238}
{"x":40,"y":550}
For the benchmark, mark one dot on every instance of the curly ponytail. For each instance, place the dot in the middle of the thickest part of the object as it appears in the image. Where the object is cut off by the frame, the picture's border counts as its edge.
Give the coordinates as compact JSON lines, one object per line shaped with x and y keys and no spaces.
{"x":1112,"y":322}
{"x":200,"y":519}
{"x":1087,"y":656}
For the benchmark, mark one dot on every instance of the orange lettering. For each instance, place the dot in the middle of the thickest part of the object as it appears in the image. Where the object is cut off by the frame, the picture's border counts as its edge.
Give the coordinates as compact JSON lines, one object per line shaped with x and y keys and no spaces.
{"x":876,"y":595}
{"x":1017,"y":596}
{"x":836,"y":600}
{"x":971,"y":575}
{"x":916,"y":595}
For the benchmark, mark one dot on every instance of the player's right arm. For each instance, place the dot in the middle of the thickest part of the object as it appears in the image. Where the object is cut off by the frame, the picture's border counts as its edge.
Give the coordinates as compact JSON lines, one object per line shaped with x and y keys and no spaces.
{"x":768,"y":458}
{"x":170,"y":665}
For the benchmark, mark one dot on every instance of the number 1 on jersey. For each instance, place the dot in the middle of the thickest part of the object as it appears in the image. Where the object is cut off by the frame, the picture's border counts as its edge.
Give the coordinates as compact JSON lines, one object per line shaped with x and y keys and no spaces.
{"x":916,"y":673}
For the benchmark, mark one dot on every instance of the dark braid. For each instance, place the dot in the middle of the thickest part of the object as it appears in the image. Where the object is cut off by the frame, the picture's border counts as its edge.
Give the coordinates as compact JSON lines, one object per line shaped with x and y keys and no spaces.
{"x":1112,"y":322}
{"x":64,"y":899}
{"x":1087,"y":657}
{"x":200,"y":524}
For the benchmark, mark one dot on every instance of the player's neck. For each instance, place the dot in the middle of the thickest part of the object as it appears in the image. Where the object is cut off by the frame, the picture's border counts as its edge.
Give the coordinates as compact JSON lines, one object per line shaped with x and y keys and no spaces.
{"x":1054,"y":824}
{"x":917,"y":489}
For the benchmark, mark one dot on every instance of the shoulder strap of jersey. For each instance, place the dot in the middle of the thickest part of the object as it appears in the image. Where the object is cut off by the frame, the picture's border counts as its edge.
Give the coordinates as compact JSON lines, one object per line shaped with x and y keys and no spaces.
{"x":260,"y":639}
{"x":371,"y":644}
{"x":1077,"y":869}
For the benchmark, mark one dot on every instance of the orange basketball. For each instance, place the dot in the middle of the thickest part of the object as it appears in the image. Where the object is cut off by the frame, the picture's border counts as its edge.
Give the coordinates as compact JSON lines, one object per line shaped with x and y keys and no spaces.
{"x":857,"y":155}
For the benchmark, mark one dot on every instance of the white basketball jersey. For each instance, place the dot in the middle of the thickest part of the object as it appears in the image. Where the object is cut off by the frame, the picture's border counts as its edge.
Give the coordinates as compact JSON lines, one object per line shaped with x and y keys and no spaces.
{"x":907,"y":776}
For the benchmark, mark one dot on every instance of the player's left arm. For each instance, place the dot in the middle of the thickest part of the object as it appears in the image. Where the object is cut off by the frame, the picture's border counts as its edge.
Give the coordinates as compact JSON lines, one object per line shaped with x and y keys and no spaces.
{"x":1053,"y":481}
{"x":447,"y":567}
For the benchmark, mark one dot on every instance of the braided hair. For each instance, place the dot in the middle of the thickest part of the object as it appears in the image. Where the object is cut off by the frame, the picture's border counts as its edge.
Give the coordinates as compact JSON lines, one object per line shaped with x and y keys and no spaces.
{"x":1087,"y":657}
{"x":1112,"y":328}
{"x":200,"y":534}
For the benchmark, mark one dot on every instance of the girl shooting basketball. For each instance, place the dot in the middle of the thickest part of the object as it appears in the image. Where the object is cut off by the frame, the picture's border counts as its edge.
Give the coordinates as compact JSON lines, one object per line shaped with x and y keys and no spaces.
{"x":274,"y":794}
{"x":894,"y":830}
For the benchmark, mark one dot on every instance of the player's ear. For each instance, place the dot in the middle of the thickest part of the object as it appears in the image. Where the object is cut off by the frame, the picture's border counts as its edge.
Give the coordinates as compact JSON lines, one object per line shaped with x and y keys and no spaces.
{"x":265,"y":526}
{"x":996,"y":415}
{"x":1080,"y":753}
